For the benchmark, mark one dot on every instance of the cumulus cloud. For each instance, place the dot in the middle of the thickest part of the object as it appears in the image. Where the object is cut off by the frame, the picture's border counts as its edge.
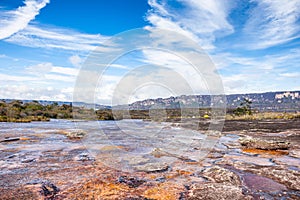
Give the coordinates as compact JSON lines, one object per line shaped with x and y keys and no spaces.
{"x":75,"y":60}
{"x":24,"y":91}
{"x":50,"y":70}
{"x":16,"y":20}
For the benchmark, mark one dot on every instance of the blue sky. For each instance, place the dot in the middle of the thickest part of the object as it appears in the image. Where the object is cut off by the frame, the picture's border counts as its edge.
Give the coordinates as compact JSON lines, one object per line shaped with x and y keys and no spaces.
{"x":255,"y":45}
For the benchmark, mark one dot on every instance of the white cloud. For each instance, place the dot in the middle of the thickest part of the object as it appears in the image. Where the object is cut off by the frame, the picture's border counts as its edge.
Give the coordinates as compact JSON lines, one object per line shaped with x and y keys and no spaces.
{"x":7,"y":77}
{"x":58,"y":38}
{"x":43,"y":69}
{"x":16,"y":20}
{"x":22,"y":91}
{"x":291,"y":75}
{"x":242,"y":74}
{"x":75,"y":60}
{"x":272,"y":22}
{"x":40,"y":69}
{"x":200,"y":20}
{"x":195,"y":72}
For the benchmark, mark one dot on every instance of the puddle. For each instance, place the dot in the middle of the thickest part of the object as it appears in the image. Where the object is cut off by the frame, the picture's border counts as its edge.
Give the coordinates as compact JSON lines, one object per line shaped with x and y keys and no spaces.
{"x":261,"y":184}
{"x":269,"y":152}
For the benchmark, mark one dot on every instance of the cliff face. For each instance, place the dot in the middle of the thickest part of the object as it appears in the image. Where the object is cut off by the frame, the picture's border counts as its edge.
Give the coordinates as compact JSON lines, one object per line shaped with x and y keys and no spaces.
{"x":270,"y":101}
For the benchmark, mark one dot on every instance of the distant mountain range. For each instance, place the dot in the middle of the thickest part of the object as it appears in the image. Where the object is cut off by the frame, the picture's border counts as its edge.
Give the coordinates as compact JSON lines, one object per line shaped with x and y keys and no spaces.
{"x":268,"y":101}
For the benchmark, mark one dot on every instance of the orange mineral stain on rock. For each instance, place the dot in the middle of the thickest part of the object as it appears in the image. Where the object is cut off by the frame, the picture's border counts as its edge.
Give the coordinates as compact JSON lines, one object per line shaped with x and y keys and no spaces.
{"x":269,"y":152}
{"x":183,"y":172}
{"x":111,"y":147}
{"x":164,"y":191}
{"x":24,"y":138}
{"x":177,"y":173}
{"x":100,"y":190}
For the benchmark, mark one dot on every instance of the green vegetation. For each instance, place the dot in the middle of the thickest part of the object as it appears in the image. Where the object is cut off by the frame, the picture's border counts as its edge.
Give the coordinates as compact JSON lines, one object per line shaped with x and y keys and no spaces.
{"x":244,"y":108}
{"x":245,"y":112}
{"x":265,"y":115}
{"x":17,"y":111}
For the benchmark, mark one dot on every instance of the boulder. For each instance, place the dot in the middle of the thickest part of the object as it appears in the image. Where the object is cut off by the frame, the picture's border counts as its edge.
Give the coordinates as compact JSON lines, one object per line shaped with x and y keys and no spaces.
{"x":76,"y":134}
{"x":220,"y":175}
{"x":261,"y":143}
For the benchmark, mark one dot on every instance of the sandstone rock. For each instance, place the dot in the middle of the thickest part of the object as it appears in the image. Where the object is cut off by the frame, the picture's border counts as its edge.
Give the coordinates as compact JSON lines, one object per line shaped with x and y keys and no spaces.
{"x":152,"y":167}
{"x":136,"y":160}
{"x":76,"y":134}
{"x":260,"y":143}
{"x":295,"y":153}
{"x":221,"y":175}
{"x":259,"y":183}
{"x":286,"y":160}
{"x":132,"y":182}
{"x":245,"y":159}
{"x":49,"y":190}
{"x":220,"y":191}
{"x":290,"y":178}
{"x":84,"y":157}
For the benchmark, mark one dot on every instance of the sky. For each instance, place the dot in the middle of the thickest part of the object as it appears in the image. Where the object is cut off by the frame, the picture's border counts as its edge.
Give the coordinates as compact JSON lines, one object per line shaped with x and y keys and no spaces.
{"x":46,"y":46}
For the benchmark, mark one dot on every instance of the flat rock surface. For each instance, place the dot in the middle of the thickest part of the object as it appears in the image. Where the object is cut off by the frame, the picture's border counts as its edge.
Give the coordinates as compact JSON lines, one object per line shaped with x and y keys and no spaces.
{"x":217,"y":191}
{"x":149,"y":161}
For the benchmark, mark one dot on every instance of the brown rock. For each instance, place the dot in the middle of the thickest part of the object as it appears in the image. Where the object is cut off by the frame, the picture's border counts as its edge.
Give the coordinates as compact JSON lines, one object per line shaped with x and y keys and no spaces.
{"x":260,"y":143}
{"x":76,"y":134}
{"x":220,"y":191}
{"x":221,"y":175}
{"x":290,"y":178}
{"x":259,"y":183}
{"x":152,"y":167}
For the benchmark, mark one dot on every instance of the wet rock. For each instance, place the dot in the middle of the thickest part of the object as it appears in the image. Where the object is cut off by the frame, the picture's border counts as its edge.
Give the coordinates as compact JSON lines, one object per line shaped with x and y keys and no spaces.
{"x":84,"y":157}
{"x":28,"y":160}
{"x":246,"y":160}
{"x":49,"y":190}
{"x":265,"y":153}
{"x":152,"y":167}
{"x":259,"y":183}
{"x":131,"y":181}
{"x":290,"y":178}
{"x":221,"y":175}
{"x":266,"y":144}
{"x":161,"y":179}
{"x":213,"y":133}
{"x":286,"y":160}
{"x":215,"y":155}
{"x":295,"y":153}
{"x":157,"y":152}
{"x":9,"y":140}
{"x":36,"y":181}
{"x":220,"y":191}
{"x":136,"y":160}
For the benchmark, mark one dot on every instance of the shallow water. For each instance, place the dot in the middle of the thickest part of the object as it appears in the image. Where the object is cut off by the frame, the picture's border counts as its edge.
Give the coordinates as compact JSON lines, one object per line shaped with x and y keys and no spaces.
{"x":124,"y":144}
